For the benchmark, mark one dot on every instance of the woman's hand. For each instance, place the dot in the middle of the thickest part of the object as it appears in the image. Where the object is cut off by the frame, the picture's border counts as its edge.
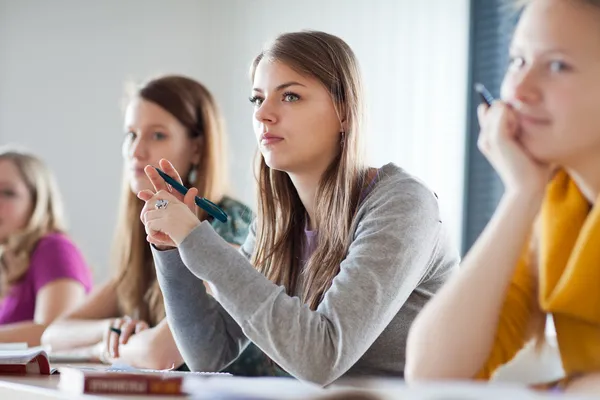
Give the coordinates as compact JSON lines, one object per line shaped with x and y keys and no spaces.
{"x":168,"y":216}
{"x":109,"y":347}
{"x":499,"y":142}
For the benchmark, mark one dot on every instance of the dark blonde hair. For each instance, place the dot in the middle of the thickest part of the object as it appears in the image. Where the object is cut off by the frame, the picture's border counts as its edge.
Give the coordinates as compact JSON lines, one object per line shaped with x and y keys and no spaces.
{"x":281,"y":215}
{"x":47,"y":214}
{"x":195,"y":108}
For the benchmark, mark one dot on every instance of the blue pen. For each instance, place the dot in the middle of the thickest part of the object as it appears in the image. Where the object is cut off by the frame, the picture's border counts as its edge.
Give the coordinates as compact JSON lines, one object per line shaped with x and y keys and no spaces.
{"x":484,"y":94}
{"x":203,"y":203}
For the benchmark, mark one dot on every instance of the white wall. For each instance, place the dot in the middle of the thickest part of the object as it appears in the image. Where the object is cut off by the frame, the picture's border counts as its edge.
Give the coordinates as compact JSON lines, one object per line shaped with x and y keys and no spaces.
{"x":63,"y":65}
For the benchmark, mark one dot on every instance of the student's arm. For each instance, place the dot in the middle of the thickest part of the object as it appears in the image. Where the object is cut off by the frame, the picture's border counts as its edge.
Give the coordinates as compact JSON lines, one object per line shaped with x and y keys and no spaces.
{"x":454,"y":334}
{"x":52,"y":300}
{"x":393,"y":246}
{"x":464,"y":325}
{"x":218,"y":338}
{"x":87,"y":325}
{"x":152,"y":348}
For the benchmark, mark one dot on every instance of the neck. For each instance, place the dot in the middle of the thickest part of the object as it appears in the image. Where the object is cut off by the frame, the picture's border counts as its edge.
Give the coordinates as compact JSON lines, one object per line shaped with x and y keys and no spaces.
{"x":586,"y":174}
{"x":306,"y":184}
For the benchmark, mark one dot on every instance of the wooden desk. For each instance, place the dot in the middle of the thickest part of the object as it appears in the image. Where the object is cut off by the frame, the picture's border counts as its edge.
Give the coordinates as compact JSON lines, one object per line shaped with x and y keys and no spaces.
{"x":35,"y":387}
{"x":32,"y":387}
{"x":45,"y":387}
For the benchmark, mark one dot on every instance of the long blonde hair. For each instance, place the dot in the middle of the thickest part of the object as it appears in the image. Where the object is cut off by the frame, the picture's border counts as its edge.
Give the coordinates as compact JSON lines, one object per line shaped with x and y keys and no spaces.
{"x":281,"y":215}
{"x":194,"y":106}
{"x":47,"y":215}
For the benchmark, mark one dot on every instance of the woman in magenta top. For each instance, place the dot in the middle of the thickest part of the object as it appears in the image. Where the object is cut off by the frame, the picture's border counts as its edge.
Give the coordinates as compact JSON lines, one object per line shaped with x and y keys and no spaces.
{"x":42,"y":273}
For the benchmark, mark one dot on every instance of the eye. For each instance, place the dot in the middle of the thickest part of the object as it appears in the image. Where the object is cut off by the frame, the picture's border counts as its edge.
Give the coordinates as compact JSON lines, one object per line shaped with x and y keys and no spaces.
{"x":159,"y":136}
{"x":7,"y":193}
{"x":558,"y":66}
{"x":290,"y":97}
{"x":516,"y":63}
{"x":130,"y":136}
{"x":256,"y":100}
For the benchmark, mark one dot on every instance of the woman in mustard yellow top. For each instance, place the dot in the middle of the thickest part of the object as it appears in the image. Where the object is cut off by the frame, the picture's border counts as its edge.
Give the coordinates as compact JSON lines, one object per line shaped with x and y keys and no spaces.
{"x":540,"y":253}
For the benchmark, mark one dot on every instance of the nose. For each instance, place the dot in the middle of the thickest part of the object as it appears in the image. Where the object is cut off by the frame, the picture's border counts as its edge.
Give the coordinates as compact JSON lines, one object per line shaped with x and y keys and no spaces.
{"x":136,"y":149}
{"x":522,"y":88}
{"x":266,"y":112}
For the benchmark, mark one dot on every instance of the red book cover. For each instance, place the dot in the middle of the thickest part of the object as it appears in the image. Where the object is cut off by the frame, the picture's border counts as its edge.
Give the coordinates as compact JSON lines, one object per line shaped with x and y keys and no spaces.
{"x":98,"y":381}
{"x":23,"y":362}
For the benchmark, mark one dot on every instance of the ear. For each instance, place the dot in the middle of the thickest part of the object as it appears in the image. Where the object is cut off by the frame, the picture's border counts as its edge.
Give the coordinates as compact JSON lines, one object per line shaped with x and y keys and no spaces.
{"x":197,"y":148}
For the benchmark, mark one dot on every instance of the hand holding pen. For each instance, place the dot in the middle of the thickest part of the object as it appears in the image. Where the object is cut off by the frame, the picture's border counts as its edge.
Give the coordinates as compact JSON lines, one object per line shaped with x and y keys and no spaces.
{"x":501,"y":142}
{"x":168,"y":215}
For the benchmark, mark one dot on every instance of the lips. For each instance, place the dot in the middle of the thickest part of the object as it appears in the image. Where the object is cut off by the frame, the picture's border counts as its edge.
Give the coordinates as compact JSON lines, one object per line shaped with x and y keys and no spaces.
{"x":138,"y":171}
{"x":528,"y":117}
{"x":267,"y":138}
{"x":533,"y":120}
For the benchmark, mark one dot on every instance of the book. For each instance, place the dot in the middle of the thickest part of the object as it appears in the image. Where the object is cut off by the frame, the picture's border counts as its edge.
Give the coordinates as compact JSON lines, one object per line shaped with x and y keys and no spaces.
{"x":102,"y":381}
{"x":25,"y":361}
{"x":121,"y":381}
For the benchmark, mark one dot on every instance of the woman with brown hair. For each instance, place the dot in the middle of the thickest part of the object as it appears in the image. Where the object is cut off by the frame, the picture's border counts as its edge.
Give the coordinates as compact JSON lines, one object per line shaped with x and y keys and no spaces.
{"x":42,"y":273}
{"x":341,"y":257}
{"x":124,"y":319}
{"x":540,"y":254}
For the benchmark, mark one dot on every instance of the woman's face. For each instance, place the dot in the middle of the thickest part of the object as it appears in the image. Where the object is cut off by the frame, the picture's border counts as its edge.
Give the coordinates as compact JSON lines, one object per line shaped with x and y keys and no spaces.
{"x":153,"y":133}
{"x":16,"y":202}
{"x":553,"y":81}
{"x":295,"y":121}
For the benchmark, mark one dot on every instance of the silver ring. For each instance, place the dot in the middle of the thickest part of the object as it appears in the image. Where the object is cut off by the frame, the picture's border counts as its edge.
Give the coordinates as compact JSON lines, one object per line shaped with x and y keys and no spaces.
{"x":161,"y":203}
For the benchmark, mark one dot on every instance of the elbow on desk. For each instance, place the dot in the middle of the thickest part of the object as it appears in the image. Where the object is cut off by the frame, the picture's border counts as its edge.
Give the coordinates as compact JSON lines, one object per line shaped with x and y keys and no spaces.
{"x":318,"y":372}
{"x":159,"y":362}
{"x":425,"y":366}
{"x":424,"y":371}
{"x":320,"y":379}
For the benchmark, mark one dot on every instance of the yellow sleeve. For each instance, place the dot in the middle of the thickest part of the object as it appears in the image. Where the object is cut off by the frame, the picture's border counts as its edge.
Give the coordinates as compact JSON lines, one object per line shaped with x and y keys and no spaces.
{"x":512,"y":331}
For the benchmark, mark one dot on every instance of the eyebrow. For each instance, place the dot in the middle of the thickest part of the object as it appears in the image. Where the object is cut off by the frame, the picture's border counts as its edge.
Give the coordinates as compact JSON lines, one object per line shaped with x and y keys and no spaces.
{"x":151,"y":126}
{"x":282,"y":86}
{"x":549,"y":51}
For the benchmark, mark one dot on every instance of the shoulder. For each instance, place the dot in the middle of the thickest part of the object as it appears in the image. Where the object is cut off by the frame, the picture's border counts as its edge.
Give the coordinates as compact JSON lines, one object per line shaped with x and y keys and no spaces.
{"x":400,"y":219}
{"x":236,"y":209}
{"x":54,"y":242}
{"x":56,"y":256}
{"x":239,"y":218}
{"x":400,"y":195}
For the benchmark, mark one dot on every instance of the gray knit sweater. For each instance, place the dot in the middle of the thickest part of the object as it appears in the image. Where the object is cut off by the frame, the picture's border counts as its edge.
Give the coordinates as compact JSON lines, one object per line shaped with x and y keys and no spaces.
{"x":399,"y":257}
